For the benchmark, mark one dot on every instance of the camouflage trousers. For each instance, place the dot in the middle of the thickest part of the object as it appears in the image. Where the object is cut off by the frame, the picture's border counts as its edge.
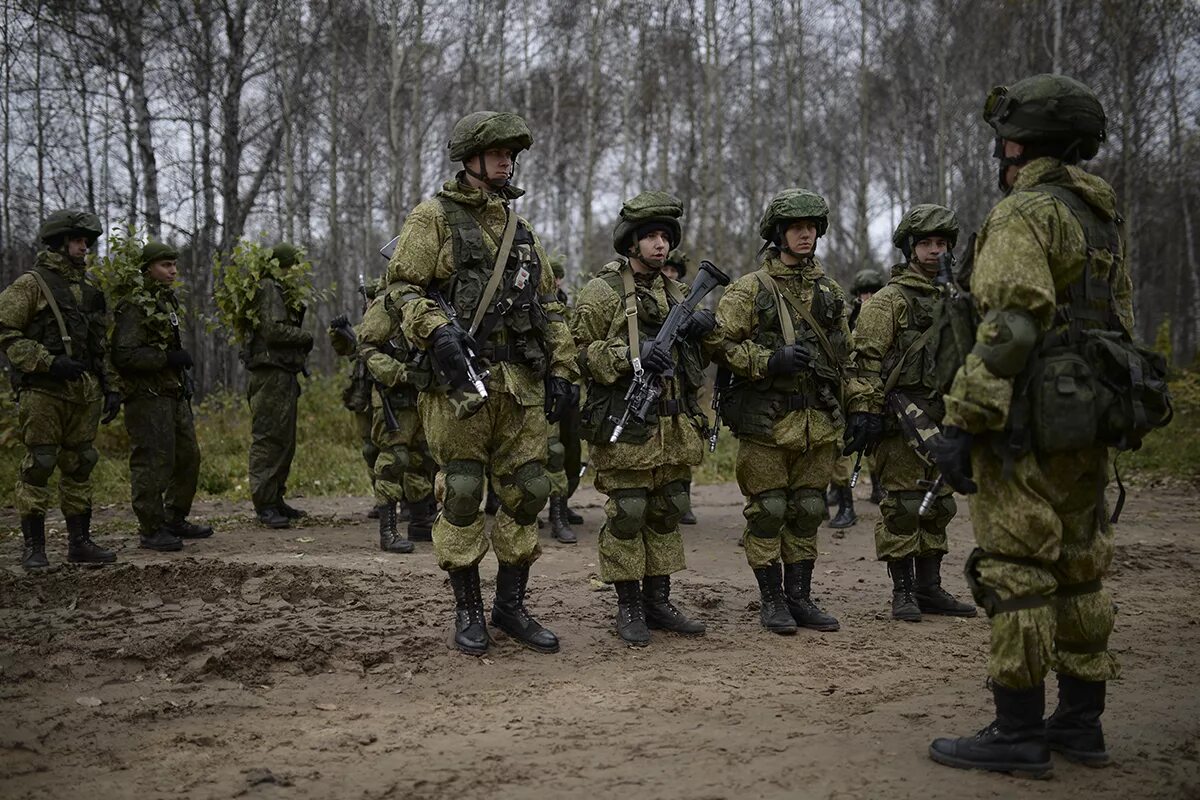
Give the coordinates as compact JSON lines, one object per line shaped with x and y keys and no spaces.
{"x":1044,"y":544}
{"x":364,"y":424}
{"x":404,"y":469}
{"x":273,"y":394}
{"x":505,"y":440}
{"x":843,"y":469}
{"x":640,"y":535}
{"x":556,"y":462}
{"x":901,"y":531}
{"x":164,"y":459}
{"x":785,"y":500}
{"x":57,"y":434}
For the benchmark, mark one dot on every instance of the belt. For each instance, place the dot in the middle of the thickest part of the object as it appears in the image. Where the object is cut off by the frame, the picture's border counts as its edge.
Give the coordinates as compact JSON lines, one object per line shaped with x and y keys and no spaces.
{"x":671,"y":408}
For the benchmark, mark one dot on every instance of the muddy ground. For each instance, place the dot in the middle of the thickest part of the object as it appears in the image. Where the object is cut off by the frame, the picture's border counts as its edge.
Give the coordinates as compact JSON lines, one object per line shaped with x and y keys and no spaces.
{"x":305,"y":664}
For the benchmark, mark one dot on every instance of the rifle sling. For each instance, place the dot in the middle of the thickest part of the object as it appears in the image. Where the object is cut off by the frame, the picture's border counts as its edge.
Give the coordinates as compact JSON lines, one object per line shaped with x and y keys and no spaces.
{"x":674,"y":295}
{"x":510,"y":230}
{"x":894,"y":376}
{"x":54,"y":309}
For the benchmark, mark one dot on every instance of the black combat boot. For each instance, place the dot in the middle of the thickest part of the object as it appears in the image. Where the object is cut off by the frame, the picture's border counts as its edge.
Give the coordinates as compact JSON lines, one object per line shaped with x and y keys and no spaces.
{"x":904,"y":605}
{"x":573,"y":518}
{"x":390,"y":540}
{"x":832,"y":494}
{"x":373,"y":513}
{"x":631,"y":614}
{"x":661,"y":613}
{"x":179,"y":526}
{"x":877,"y":490}
{"x":80,"y":547}
{"x":470,"y":627}
{"x":774,"y":613}
{"x":1074,"y":730}
{"x":560,"y":527}
{"x":845,"y":516}
{"x":271,"y":517}
{"x":797,"y":588}
{"x":492,"y":504}
{"x":930,"y":595}
{"x":420,"y":522}
{"x":403,"y":512}
{"x":1014,"y":742}
{"x":290,"y":511}
{"x":33,"y":530}
{"x":510,"y":615}
{"x":161,"y":540}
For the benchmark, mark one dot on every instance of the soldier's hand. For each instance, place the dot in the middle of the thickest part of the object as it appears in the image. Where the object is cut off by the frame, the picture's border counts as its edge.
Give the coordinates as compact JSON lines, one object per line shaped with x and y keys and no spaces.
{"x":702,"y":323}
{"x":112,"y":407}
{"x":179,"y":359}
{"x":788,"y":360}
{"x":655,"y":358}
{"x":340,"y":321}
{"x":952,"y":453}
{"x":863,"y":432}
{"x":446,"y":349}
{"x":65,"y":368}
{"x":561,"y":394}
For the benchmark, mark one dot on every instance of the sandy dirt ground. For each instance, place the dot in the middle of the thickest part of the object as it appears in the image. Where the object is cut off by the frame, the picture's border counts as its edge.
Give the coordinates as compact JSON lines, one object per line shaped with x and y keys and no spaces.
{"x":306,"y":664}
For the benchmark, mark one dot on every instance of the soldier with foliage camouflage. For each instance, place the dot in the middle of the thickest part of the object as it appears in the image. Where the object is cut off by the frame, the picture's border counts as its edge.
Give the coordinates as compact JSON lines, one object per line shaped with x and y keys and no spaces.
{"x":786,"y":342}
{"x":645,"y":473}
{"x":889,"y":364}
{"x":53,"y":322}
{"x":164,"y":460}
{"x":468,"y":248}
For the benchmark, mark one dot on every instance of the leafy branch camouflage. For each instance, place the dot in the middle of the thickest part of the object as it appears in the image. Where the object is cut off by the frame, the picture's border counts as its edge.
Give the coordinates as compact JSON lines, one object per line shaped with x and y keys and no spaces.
{"x":239,"y":278}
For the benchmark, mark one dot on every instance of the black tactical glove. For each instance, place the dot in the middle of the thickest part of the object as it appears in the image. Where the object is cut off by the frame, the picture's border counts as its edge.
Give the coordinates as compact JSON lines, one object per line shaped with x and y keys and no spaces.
{"x":340,"y":321}
{"x":656,"y":358}
{"x":446,"y":348}
{"x":340,"y":326}
{"x":952,"y":453}
{"x":789,"y":359}
{"x":561,"y":395}
{"x":702,"y":323}
{"x":65,"y":368}
{"x":112,"y":407}
{"x":863,"y":432}
{"x":179,"y":359}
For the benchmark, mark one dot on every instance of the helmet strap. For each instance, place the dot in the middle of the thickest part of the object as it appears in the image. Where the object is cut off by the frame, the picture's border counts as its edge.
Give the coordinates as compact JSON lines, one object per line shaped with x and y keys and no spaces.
{"x":482,"y":176}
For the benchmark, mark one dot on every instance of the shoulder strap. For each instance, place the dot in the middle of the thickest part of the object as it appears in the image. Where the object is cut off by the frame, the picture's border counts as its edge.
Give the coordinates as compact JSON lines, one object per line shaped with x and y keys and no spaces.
{"x":629,"y":295}
{"x":54,"y":309}
{"x":807,"y":316}
{"x":785,"y":317}
{"x":510,"y":230}
{"x":673,"y":291}
{"x":894,"y":376}
{"x":1099,"y":234}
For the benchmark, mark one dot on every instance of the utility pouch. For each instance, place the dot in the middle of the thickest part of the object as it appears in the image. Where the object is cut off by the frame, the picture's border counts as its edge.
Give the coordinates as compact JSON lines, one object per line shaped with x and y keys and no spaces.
{"x":1063,"y":403}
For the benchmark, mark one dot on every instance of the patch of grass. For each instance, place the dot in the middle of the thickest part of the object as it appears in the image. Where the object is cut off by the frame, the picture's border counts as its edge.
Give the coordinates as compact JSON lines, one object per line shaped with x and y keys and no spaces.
{"x":1173,"y":451}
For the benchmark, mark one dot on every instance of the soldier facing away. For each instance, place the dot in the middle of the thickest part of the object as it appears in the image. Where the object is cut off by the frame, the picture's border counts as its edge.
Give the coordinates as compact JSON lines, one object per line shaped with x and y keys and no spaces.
{"x":53,"y":323}
{"x":164,"y":460}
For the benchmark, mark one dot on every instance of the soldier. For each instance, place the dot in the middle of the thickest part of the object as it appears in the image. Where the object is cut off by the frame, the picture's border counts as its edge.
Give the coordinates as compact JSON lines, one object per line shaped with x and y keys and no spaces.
{"x":164,"y":460}
{"x":52,"y":330}
{"x":676,"y":269}
{"x":466,"y":252}
{"x":1048,"y":265}
{"x":357,"y":396}
{"x":786,"y":341}
{"x":563,"y":449}
{"x":275,"y":353}
{"x":646,"y":472}
{"x":889,"y":359}
{"x":866,"y":283}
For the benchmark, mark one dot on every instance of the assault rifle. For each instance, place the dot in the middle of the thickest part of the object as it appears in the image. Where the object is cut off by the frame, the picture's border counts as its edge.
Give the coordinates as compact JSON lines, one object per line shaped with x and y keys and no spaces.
{"x":647,"y":387}
{"x":466,"y":344}
{"x":724,"y":379}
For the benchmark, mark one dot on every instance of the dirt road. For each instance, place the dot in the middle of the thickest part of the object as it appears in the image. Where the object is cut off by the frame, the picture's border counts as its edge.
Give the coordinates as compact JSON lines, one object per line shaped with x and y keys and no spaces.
{"x":305,"y":664}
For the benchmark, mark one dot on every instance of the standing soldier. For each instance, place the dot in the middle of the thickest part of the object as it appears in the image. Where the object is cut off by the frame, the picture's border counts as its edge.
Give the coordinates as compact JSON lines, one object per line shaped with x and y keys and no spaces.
{"x":563,"y":449}
{"x":676,"y":269}
{"x":164,"y":460}
{"x":52,"y":330}
{"x":476,"y":290}
{"x":646,"y":472}
{"x":786,"y":341}
{"x":275,"y":354}
{"x":1049,"y":274}
{"x":356,"y":397}
{"x":890,"y":363}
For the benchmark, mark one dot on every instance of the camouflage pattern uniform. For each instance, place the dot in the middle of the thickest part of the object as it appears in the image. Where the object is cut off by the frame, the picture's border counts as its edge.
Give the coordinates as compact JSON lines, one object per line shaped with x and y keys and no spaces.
{"x":357,"y":396}
{"x":59,"y":410}
{"x":563,"y":448}
{"x":274,"y":355}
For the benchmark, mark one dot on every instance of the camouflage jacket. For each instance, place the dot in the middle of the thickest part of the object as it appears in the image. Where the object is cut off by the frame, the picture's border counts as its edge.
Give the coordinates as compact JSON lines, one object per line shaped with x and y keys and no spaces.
{"x":391,"y":361}
{"x":424,"y":257}
{"x":1030,"y":249}
{"x":742,"y":316}
{"x":139,"y":348}
{"x":279,"y":340}
{"x":29,"y":335}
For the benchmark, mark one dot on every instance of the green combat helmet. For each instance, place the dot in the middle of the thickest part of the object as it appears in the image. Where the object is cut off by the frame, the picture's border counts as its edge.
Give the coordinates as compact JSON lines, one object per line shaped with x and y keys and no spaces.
{"x":927,"y":219}
{"x":644,"y":212}
{"x":867,"y":280}
{"x":791,"y":205}
{"x":157,"y":251}
{"x":1049,"y":109}
{"x":558,"y":265}
{"x":70,"y":222}
{"x":484,"y":130}
{"x":286,"y":254}
{"x":679,"y":260}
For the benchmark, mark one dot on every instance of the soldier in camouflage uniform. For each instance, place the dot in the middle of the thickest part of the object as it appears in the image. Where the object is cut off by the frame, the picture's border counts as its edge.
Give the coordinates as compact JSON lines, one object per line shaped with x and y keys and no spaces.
{"x":52,"y":330}
{"x":164,"y":460}
{"x":357,"y":396}
{"x":786,"y":342}
{"x":467,"y":247}
{"x":563,"y":448}
{"x":275,"y":355}
{"x":889,"y":359}
{"x":676,"y":269}
{"x":866,"y":283}
{"x":646,"y":472}
{"x":1048,"y":264}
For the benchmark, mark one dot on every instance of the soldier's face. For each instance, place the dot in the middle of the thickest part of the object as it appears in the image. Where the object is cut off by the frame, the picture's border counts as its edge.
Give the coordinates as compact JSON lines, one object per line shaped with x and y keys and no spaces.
{"x":77,"y":248}
{"x":652,"y":249}
{"x":801,"y":237}
{"x":670,"y":271}
{"x":865,"y":296}
{"x":497,"y":165}
{"x":1011,"y":150}
{"x":163,"y":272}
{"x":928,"y":250}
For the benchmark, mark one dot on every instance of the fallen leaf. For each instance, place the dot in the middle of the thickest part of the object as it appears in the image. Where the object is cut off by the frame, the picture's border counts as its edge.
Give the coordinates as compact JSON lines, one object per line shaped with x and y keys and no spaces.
{"x":305,"y":539}
{"x":90,"y":702}
{"x":327,"y":707}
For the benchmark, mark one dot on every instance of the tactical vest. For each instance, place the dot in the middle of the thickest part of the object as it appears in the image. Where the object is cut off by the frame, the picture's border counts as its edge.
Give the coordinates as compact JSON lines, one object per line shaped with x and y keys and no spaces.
{"x":606,"y":402}
{"x":80,"y":317}
{"x":514,"y":327}
{"x":908,"y":367}
{"x":751,"y":408}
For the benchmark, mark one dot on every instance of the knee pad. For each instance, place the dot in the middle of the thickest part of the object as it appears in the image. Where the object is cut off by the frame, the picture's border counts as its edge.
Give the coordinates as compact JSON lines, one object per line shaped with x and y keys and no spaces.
{"x":556,"y":457}
{"x":809,"y":510}
{"x":393,"y":463}
{"x":667,"y":506}
{"x":39,"y":465}
{"x":943,"y":510}
{"x":630,"y":512}
{"x":532,"y":490}
{"x":767,"y":513}
{"x":464,"y":492}
{"x":370,"y":452}
{"x":900,"y":512}
{"x":78,"y":464}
